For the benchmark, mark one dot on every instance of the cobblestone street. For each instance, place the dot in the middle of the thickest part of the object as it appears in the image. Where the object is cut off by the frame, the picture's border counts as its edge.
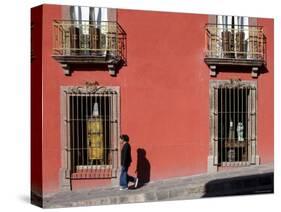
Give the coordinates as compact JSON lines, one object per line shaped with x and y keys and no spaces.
{"x":246,"y":180}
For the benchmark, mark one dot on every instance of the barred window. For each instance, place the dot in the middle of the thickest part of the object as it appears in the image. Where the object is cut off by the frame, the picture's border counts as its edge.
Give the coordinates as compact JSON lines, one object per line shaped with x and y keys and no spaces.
{"x":233,"y":121}
{"x":91,"y":120}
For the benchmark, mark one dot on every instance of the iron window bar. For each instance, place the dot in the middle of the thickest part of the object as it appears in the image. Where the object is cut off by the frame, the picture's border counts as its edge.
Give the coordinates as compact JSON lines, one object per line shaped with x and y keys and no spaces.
{"x":234,"y":124}
{"x":91,"y":145}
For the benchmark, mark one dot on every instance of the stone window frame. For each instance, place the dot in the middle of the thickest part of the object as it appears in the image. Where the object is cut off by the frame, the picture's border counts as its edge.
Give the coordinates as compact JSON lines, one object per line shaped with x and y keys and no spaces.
{"x":254,"y":158}
{"x":65,"y":179}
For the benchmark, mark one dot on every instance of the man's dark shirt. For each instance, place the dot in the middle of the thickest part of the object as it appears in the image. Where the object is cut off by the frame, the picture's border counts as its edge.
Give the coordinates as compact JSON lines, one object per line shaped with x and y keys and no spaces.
{"x":126,"y":155}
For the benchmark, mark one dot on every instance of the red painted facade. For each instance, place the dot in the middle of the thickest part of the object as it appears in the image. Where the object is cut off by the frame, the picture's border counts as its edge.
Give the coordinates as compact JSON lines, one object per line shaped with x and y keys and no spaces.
{"x":164,"y":95}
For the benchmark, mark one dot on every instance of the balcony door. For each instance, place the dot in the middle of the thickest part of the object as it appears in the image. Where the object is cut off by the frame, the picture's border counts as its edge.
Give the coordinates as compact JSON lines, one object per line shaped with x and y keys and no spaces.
{"x":234,"y":33}
{"x":90,"y":29}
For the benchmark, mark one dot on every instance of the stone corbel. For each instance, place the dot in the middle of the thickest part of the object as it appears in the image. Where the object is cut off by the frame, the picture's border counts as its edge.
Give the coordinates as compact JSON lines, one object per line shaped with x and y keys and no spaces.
{"x":255,"y":72}
{"x":213,"y":71}
{"x":66,"y":69}
{"x":112,"y":69}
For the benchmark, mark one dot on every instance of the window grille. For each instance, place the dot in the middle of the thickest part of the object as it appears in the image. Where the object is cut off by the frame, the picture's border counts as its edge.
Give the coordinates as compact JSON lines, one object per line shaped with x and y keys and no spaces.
{"x":233,"y":105}
{"x":91,"y":120}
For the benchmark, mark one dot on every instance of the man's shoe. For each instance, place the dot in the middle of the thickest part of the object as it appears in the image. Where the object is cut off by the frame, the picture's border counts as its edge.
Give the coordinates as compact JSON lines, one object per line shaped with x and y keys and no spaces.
{"x":136,"y":182}
{"x":123,"y":188}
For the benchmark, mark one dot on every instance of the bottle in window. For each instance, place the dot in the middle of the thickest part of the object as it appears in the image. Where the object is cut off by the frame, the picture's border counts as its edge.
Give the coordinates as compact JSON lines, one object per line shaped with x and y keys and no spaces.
{"x":240,"y":131}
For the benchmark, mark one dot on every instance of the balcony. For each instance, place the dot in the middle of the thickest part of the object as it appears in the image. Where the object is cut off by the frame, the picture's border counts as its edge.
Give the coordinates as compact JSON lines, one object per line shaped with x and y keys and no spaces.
{"x":89,"y":44}
{"x":235,"y":46}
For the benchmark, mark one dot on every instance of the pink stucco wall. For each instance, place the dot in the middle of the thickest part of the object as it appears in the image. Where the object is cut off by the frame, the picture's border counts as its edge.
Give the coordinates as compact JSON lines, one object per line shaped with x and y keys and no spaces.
{"x":164,"y":93}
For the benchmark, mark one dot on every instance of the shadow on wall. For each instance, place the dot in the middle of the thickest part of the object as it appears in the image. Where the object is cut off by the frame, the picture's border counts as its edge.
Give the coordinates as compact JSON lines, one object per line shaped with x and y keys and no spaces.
{"x":253,"y":184}
{"x":143,"y":167}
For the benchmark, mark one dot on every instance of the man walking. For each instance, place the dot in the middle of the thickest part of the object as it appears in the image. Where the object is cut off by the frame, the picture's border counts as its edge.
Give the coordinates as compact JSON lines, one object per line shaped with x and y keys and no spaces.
{"x":126,"y":160}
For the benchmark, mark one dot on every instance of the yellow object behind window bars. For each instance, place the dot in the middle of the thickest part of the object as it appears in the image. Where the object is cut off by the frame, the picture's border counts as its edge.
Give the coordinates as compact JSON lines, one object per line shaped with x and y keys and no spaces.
{"x":95,"y":139}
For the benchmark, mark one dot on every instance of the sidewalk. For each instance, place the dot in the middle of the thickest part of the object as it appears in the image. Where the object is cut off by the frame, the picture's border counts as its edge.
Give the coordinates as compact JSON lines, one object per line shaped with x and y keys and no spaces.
{"x":246,"y":180}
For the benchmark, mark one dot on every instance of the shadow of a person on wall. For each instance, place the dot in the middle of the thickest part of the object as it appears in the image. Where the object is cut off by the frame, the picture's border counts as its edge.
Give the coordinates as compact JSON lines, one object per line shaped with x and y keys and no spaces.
{"x":143,"y":168}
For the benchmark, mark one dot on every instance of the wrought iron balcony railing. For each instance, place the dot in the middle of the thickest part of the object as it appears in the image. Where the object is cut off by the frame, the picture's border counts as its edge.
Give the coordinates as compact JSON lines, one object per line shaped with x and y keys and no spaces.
{"x":235,"y":45}
{"x":89,"y":42}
